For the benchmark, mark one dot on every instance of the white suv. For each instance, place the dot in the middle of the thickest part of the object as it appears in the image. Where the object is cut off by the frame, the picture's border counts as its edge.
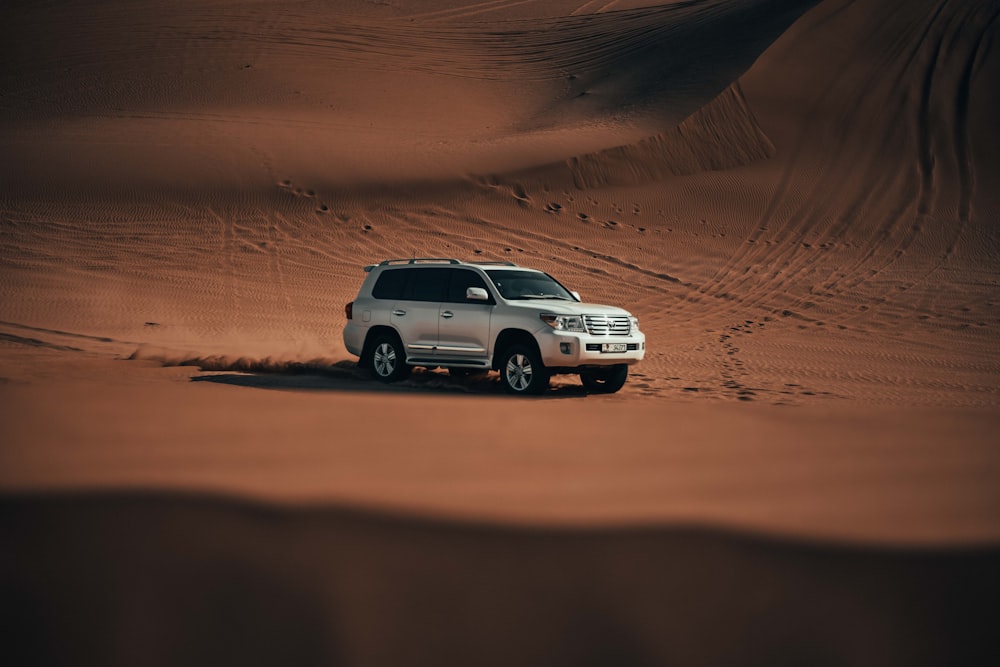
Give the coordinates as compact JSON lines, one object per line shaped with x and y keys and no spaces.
{"x":476,"y":317}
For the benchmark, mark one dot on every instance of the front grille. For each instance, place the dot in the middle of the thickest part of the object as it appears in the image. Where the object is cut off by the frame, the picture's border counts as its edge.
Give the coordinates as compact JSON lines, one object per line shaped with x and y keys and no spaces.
{"x":608,"y":325}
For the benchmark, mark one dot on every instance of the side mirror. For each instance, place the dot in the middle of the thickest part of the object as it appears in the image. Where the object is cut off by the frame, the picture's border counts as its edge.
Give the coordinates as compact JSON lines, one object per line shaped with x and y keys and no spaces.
{"x":576,"y":295}
{"x":476,"y":294}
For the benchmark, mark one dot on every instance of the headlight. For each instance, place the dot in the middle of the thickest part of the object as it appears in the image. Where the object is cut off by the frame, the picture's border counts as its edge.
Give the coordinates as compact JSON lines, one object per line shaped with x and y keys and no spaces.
{"x":564,"y":322}
{"x":635,"y":322}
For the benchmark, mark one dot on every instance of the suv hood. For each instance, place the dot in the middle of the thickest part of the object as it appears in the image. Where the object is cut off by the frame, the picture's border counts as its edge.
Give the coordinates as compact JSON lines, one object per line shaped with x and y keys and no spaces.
{"x":562,"y":307}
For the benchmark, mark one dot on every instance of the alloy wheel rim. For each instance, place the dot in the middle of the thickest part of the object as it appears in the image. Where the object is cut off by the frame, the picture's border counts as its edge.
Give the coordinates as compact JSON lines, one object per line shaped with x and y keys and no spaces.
{"x":385,"y":360}
{"x":519,"y":372}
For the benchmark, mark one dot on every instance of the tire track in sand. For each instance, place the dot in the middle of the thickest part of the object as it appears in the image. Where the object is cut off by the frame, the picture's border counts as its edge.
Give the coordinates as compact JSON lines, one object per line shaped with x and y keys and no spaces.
{"x":790,"y":253}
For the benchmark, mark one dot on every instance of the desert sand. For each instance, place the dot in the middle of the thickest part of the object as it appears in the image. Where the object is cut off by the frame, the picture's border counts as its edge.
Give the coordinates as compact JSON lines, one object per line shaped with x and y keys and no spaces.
{"x":798,"y":199}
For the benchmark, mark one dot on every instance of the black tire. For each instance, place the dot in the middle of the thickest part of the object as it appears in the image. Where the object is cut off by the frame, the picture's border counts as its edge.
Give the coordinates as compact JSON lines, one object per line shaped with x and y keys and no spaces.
{"x":605,"y":381}
{"x":522,"y":372}
{"x":386,"y":359}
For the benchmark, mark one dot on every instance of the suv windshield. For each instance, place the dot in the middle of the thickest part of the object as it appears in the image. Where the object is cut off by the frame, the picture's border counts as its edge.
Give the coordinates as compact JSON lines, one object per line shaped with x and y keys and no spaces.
{"x":528,"y":285}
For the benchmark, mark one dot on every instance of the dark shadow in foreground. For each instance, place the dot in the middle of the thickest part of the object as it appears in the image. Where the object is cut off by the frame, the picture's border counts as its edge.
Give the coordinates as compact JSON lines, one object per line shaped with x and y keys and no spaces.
{"x":158,"y":579}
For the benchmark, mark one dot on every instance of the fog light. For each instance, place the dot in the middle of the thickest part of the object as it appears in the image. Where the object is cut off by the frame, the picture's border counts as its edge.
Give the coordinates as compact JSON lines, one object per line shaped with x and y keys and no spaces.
{"x":565,"y":348}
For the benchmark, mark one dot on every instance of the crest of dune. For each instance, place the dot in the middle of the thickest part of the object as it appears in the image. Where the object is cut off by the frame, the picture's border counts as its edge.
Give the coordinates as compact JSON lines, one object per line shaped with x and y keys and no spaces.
{"x":720,"y":135}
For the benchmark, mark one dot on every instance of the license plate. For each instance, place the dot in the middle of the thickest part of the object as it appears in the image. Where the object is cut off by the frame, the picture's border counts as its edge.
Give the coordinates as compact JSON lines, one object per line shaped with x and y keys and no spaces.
{"x":614,"y":347}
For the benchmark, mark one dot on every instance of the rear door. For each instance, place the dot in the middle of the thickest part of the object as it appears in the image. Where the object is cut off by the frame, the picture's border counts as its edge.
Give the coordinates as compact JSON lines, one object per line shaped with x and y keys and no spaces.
{"x":416,"y":314}
{"x":464,"y":326}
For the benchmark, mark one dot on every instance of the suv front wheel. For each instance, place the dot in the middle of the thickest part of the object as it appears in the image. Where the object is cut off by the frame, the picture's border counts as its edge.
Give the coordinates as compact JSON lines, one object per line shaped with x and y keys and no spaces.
{"x":522,"y":371}
{"x":387,"y":361}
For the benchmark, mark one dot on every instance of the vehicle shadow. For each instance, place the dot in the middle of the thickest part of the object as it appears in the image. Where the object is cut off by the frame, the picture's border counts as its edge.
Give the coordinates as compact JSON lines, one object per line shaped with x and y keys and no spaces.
{"x":346,"y":377}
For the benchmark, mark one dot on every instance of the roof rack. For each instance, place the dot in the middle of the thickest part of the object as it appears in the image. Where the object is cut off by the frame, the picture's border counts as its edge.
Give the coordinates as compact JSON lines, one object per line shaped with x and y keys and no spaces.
{"x":414,"y":260}
{"x":432,"y":260}
{"x":420,"y":260}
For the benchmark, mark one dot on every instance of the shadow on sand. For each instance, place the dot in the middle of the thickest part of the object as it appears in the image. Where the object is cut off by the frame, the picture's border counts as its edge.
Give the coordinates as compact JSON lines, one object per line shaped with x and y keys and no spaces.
{"x":341,"y":377}
{"x":160,"y":579}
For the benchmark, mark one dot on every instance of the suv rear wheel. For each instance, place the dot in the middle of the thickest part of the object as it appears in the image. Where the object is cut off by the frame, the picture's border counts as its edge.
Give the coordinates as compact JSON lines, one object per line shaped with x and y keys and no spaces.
{"x":605,"y":381}
{"x":387,"y":362}
{"x":522,"y":371}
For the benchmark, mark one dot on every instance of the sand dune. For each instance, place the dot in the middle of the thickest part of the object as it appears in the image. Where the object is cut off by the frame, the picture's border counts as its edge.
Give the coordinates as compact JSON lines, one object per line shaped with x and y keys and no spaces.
{"x":818,"y":232}
{"x":211,"y":96}
{"x":797,"y":198}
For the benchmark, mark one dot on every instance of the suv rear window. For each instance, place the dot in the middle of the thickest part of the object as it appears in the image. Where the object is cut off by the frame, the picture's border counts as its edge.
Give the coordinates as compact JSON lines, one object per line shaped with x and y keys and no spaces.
{"x":426,"y":284}
{"x":390,"y":285}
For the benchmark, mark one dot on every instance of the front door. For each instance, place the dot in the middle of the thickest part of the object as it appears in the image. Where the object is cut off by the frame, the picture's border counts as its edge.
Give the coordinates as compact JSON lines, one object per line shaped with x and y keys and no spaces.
{"x":464,"y":326}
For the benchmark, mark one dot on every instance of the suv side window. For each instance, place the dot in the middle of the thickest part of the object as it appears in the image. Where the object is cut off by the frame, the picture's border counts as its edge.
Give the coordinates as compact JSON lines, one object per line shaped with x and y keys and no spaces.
{"x":426,"y":284}
{"x":390,"y":285}
{"x":461,"y":280}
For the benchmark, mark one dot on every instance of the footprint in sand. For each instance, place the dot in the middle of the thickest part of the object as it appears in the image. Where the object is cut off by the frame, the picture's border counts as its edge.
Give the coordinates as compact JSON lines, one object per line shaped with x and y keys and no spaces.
{"x":287,"y":185}
{"x":520,"y":194}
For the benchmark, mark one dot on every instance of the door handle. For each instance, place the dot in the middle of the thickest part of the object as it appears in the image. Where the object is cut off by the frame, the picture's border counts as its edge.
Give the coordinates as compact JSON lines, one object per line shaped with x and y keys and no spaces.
{"x":447,"y":314}
{"x":399,"y":312}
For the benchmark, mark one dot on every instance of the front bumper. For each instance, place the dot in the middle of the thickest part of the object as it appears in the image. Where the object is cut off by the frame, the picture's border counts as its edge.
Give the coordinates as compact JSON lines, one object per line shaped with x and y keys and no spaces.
{"x":566,"y":349}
